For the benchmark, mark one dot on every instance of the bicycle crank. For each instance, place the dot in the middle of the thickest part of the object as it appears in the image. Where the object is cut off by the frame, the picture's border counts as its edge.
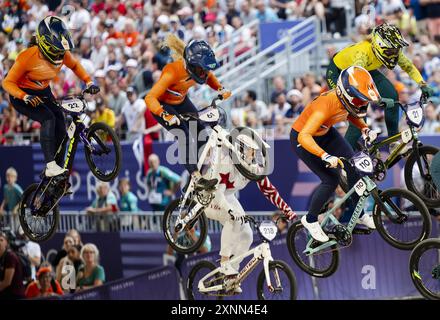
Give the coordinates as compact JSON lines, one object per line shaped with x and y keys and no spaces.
{"x":342,"y":235}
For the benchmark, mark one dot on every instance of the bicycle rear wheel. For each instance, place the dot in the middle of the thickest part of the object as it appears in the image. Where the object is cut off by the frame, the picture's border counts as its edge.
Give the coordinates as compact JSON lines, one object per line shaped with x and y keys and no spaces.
{"x":282,"y":280}
{"x":192,"y":237}
{"x":200,"y":270}
{"x":37,"y":227}
{"x":104,"y":154}
{"x":407,"y":220}
{"x":422,"y":185}
{"x":424,"y":267}
{"x":320,"y":264}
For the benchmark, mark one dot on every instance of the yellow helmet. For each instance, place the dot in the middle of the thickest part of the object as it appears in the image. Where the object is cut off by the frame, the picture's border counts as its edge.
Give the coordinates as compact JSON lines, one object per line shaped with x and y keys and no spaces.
{"x":387,"y":42}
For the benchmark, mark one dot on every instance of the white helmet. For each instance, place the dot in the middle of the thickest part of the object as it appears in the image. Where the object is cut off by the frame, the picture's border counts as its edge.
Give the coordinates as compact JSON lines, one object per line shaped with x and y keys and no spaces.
{"x":247,"y":147}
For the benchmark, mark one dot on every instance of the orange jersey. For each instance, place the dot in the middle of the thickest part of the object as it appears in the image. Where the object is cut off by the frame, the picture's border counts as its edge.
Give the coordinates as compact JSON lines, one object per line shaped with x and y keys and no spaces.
{"x":318,"y":117}
{"x":173,"y":85}
{"x":32,"y":71}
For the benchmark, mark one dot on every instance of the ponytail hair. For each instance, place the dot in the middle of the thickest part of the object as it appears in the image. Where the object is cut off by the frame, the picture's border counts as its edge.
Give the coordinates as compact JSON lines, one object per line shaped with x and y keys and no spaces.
{"x":32,"y":41}
{"x":176,"y":46}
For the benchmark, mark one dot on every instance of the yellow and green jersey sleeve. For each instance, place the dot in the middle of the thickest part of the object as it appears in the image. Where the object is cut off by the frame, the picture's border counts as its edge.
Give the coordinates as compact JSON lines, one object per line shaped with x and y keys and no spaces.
{"x":409,"y":68}
{"x":358,"y":54}
{"x":361,"y":54}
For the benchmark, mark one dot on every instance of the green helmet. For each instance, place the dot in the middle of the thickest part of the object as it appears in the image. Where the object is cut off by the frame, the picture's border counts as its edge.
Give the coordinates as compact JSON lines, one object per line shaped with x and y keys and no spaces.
{"x":387,"y":42}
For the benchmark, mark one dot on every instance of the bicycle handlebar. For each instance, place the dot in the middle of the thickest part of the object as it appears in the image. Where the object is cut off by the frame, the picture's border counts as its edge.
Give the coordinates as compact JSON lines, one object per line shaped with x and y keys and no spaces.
{"x":195,"y":116}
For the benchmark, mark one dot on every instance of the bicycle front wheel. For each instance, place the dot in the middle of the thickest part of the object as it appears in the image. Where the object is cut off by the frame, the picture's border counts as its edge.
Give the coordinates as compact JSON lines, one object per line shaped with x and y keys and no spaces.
{"x":424,"y":267}
{"x":38,"y":227}
{"x":422,"y":185}
{"x":104,"y":153}
{"x":320,"y":264}
{"x":406,"y":220}
{"x":194,"y":234}
{"x":282,"y":280}
{"x":252,"y":166}
{"x":200,"y":270}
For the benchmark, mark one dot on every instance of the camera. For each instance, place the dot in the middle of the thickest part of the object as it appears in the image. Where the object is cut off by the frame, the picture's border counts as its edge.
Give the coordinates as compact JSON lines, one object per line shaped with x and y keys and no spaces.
{"x":15,"y":243}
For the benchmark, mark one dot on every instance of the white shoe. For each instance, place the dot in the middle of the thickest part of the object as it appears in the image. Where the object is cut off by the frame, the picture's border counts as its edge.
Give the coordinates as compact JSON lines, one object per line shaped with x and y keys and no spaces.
{"x":315,"y":230}
{"x":227,"y":269}
{"x":52,"y":169}
{"x":237,"y":289}
{"x":367,"y":221}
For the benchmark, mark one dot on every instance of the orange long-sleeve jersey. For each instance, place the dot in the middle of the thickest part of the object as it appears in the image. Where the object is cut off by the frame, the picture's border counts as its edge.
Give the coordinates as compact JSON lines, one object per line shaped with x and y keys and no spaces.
{"x":173,"y":85}
{"x":317,"y":119}
{"x":32,"y":71}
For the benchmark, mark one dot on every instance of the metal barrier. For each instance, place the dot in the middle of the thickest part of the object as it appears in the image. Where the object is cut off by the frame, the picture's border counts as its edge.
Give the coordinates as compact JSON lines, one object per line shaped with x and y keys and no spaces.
{"x":147,"y":221}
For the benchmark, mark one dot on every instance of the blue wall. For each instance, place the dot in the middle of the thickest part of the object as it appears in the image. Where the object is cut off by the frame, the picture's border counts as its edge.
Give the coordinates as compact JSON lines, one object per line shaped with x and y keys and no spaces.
{"x":292,"y":178}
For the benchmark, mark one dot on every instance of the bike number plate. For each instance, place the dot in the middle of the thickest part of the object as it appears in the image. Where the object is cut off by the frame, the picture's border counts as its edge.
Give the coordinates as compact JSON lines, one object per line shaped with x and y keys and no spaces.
{"x":406,"y":135}
{"x":415,"y":115}
{"x":360,"y":187}
{"x":73,"y":105}
{"x":209,"y":115}
{"x":363,"y":163}
{"x":71,"y":130}
{"x":268,"y":230}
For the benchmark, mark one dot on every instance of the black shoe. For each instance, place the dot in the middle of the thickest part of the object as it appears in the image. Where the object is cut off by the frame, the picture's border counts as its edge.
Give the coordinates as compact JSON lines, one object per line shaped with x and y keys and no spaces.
{"x":204,"y":184}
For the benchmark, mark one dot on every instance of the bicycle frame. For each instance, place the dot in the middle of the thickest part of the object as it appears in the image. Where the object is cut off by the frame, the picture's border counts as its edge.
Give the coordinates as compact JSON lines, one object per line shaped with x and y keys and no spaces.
{"x":260,"y":252}
{"x":216,"y":141}
{"x":406,"y":136}
{"x":366,"y":185}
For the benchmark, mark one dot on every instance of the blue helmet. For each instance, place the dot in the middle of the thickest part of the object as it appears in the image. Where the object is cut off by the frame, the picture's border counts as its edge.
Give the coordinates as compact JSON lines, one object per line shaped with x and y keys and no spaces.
{"x":53,"y":39}
{"x":199,"y":59}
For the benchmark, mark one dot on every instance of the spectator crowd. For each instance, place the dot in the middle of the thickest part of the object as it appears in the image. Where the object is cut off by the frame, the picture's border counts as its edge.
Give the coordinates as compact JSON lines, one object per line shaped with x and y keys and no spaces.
{"x":24,"y":274}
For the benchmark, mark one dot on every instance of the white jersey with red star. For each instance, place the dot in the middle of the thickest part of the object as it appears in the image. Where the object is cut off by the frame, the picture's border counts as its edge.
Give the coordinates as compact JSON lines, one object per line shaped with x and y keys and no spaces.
{"x":229,"y":176}
{"x":231,"y":181}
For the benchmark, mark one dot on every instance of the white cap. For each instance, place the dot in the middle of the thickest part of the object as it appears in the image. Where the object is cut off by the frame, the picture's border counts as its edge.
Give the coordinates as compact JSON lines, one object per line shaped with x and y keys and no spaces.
{"x":113,"y":67}
{"x":99,"y":73}
{"x":296,"y":93}
{"x":131,"y":63}
{"x":430,"y":49}
{"x":163,"y":19}
{"x":174,"y":18}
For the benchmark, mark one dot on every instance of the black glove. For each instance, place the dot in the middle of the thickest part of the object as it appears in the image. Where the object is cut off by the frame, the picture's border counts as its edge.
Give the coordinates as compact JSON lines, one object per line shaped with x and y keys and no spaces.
{"x":92,"y":88}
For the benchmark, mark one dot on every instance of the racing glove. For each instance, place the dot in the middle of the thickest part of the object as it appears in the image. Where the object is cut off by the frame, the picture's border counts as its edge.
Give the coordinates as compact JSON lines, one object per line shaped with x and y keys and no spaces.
{"x":92,"y":88}
{"x":223,"y":93}
{"x":331,"y":161}
{"x":427,"y":90}
{"x":369,"y":135}
{"x":32,"y":100}
{"x":170,"y":119}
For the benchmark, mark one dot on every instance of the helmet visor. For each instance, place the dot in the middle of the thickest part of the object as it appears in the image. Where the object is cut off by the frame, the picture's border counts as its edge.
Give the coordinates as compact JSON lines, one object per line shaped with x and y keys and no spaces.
{"x":391,"y":52}
{"x":51,"y":51}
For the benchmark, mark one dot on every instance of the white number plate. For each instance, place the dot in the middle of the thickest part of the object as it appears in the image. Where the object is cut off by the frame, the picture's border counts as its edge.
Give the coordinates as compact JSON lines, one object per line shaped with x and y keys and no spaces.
{"x":415,"y":115}
{"x":209,"y":115}
{"x":406,"y":135}
{"x":363,"y":163}
{"x":268,"y":230}
{"x":73,"y":105}
{"x":71,"y":130}
{"x":360,"y":187}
